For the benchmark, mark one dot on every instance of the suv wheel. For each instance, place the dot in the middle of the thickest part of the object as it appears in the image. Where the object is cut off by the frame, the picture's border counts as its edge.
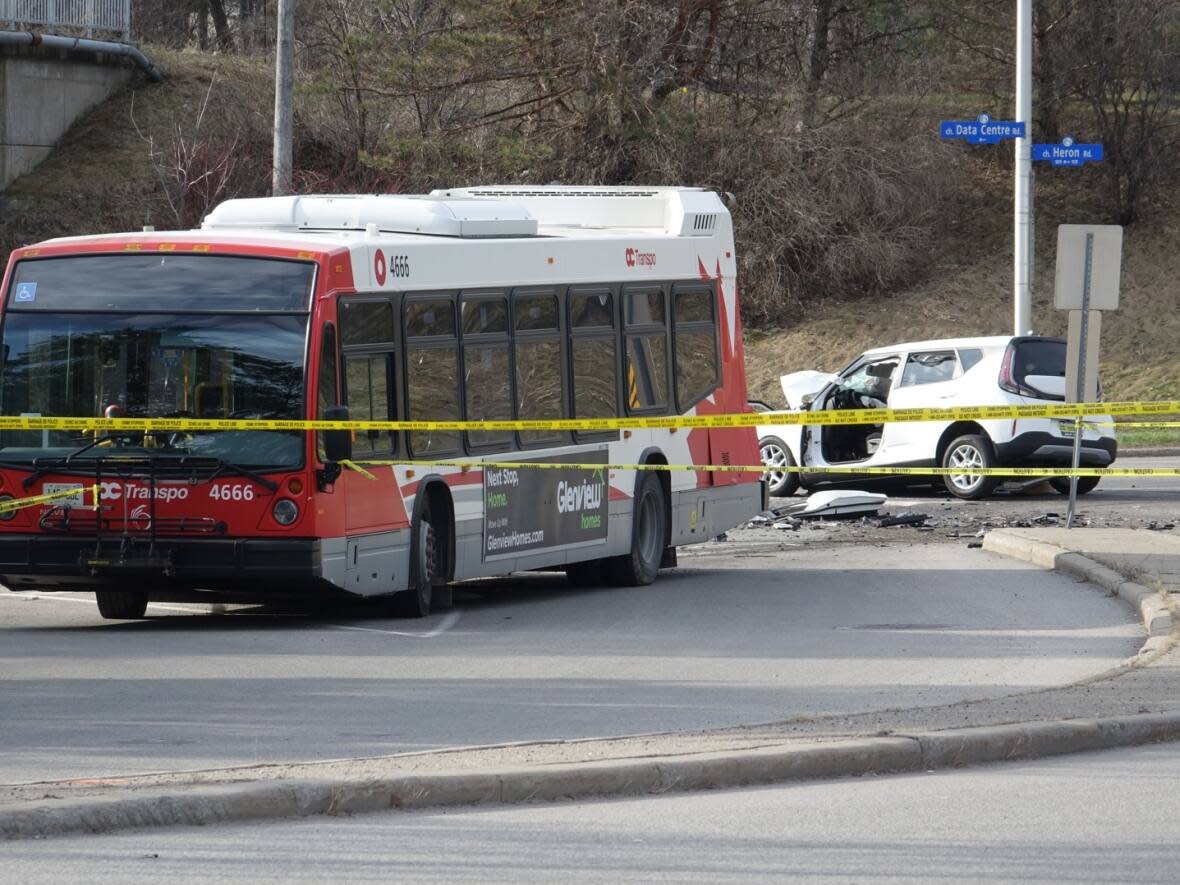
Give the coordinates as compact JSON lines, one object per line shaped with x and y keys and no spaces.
{"x":969,"y":451}
{"x":1085,"y":484}
{"x":775,"y":454}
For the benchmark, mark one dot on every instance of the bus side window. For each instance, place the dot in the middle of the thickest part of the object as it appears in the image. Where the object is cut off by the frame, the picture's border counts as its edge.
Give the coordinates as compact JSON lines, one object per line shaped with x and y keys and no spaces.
{"x":594,"y":359}
{"x":646,"y":379}
{"x":695,"y":331}
{"x":540,"y":390}
{"x":487,"y":372}
{"x":432,"y":373}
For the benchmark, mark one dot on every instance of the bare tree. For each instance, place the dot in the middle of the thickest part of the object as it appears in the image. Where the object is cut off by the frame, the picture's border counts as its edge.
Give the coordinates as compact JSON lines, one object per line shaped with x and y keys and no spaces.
{"x":1130,"y":82}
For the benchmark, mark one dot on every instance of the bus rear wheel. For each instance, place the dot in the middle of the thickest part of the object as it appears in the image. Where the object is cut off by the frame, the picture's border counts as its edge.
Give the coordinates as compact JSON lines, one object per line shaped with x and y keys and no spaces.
{"x":122,"y":605}
{"x":649,"y":533}
{"x":424,"y":570}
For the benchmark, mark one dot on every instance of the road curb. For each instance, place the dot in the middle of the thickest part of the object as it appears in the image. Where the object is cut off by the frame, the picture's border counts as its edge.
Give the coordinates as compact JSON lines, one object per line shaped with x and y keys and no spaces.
{"x":1151,"y":605}
{"x":893,"y":754}
{"x":1149,"y":452}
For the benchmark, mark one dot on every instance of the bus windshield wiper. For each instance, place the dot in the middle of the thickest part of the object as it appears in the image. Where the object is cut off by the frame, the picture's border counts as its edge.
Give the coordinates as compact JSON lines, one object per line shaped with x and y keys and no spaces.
{"x":237,"y":469}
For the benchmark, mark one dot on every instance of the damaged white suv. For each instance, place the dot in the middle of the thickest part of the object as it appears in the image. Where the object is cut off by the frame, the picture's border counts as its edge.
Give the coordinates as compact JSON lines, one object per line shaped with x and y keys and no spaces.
{"x":1001,"y":370}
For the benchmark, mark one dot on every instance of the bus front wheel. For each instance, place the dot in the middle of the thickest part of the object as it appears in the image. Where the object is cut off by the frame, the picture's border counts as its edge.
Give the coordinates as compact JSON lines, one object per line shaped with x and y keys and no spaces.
{"x":424,"y":570}
{"x":649,"y":533}
{"x":121,"y":605}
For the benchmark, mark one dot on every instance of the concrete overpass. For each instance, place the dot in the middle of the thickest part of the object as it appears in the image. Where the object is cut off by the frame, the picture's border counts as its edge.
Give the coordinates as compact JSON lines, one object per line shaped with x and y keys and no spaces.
{"x":48,"y":80}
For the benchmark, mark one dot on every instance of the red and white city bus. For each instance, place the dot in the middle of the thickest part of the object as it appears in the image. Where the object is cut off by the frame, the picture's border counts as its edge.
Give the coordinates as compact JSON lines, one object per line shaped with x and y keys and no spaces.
{"x":496,"y":303}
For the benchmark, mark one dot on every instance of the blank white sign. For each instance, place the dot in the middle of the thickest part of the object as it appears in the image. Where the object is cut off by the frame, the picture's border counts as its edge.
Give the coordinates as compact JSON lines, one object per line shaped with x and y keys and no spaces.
{"x":1105,"y":266}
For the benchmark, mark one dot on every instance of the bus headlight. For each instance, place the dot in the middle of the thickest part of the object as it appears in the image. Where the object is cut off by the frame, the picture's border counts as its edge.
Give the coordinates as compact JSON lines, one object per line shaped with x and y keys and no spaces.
{"x":285,"y":511}
{"x":8,"y":514}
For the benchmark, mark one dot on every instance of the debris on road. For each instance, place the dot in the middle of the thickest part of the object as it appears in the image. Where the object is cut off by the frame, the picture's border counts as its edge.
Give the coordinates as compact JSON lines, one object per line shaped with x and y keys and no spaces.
{"x":914,"y":519}
{"x":837,"y":505}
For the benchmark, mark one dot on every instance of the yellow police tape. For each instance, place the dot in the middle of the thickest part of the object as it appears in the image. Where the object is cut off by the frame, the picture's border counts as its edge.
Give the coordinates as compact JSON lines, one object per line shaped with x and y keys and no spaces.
{"x":745,"y":419}
{"x":11,"y":504}
{"x":359,"y":466}
{"x":1132,"y":423}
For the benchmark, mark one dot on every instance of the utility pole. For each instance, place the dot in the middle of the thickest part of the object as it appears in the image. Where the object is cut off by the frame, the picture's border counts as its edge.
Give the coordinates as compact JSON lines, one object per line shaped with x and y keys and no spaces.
{"x":1023,"y":262}
{"x":284,"y":98}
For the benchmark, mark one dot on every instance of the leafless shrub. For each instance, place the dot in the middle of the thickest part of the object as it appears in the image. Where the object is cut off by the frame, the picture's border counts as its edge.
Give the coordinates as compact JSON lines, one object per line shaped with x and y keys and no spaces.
{"x":193,"y":169}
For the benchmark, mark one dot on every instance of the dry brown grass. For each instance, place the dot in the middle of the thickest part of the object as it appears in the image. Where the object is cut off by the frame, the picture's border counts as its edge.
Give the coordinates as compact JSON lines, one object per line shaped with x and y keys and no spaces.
{"x":100,"y":178}
{"x":1140,"y":342}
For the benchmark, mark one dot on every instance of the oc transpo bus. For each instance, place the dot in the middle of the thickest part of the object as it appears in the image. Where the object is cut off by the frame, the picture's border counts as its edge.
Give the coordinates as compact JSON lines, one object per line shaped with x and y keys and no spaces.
{"x":492,"y":303}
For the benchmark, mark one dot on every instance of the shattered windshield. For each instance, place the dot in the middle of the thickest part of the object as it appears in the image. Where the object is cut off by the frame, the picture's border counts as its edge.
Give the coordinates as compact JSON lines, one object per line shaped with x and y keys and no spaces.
{"x":169,"y":364}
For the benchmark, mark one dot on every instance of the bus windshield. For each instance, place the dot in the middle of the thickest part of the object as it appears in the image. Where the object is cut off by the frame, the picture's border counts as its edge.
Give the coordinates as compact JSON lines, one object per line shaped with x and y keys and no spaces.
{"x":111,"y":361}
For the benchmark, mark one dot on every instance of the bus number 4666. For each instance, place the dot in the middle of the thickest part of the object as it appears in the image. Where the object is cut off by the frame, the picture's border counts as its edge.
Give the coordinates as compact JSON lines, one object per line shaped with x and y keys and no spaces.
{"x":227,"y":492}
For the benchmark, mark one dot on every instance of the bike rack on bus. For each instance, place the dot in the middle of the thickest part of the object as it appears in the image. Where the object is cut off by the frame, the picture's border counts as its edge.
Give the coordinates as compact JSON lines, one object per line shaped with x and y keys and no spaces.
{"x":125,"y":530}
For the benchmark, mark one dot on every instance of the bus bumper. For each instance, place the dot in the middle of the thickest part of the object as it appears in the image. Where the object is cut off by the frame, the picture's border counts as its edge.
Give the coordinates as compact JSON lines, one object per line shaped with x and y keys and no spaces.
{"x":264,"y":566}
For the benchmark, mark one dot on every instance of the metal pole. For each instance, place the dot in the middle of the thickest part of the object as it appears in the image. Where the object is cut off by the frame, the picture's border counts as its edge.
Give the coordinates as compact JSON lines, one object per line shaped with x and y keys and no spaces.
{"x":1022,"y":264}
{"x":284,"y":89}
{"x":1080,"y":391}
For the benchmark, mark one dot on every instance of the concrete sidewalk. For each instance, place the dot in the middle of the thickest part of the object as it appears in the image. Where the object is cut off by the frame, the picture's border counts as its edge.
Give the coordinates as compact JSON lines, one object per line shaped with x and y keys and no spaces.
{"x":1138,"y":565}
{"x":1137,"y":703}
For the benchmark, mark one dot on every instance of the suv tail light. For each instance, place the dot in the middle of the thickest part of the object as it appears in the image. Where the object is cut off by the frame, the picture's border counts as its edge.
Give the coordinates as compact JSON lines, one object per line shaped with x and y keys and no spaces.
{"x":1007,"y":381}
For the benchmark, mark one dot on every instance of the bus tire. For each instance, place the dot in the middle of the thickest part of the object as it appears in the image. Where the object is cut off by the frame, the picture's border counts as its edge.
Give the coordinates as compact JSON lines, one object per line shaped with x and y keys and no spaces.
{"x":122,"y":605}
{"x":416,"y":602}
{"x":649,"y":534}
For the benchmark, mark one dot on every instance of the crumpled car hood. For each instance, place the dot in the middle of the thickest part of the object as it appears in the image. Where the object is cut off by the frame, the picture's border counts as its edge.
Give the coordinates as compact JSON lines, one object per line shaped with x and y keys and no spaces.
{"x":799,"y":384}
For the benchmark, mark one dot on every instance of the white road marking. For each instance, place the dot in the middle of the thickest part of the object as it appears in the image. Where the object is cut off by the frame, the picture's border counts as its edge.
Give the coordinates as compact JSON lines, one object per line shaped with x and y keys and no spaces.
{"x":443,"y":626}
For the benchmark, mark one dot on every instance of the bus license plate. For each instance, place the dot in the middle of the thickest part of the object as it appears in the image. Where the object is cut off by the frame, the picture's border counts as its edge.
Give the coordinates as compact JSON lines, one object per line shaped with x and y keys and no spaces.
{"x":74,"y":500}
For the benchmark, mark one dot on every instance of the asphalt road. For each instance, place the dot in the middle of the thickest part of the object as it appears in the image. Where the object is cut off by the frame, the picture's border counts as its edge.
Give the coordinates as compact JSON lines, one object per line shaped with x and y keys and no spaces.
{"x":1103,"y":817}
{"x":736,"y":636}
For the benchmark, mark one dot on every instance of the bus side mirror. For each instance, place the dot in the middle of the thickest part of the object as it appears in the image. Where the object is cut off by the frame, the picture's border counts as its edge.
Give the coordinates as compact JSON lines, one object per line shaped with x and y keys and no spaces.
{"x":337,"y":443}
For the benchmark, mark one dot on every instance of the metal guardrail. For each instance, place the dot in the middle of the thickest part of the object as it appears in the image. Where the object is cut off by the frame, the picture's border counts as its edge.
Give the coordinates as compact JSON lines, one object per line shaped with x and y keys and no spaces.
{"x":90,"y":16}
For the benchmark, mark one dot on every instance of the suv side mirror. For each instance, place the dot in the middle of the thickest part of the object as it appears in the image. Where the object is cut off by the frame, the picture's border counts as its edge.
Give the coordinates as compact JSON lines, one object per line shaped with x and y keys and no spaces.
{"x":808,"y":399}
{"x":337,"y":443}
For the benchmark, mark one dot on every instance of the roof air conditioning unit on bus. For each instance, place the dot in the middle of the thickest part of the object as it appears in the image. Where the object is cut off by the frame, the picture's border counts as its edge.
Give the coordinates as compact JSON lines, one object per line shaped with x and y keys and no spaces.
{"x":390,"y":213}
{"x":672,"y":211}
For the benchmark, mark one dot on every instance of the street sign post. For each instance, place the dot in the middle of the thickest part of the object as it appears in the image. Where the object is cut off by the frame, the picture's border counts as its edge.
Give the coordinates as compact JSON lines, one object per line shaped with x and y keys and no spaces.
{"x":984,"y":130}
{"x":1089,"y":259}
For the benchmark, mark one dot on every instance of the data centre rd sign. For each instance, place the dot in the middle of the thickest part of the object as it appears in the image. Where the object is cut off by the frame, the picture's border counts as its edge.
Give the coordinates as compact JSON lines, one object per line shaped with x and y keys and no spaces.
{"x":982,"y":130}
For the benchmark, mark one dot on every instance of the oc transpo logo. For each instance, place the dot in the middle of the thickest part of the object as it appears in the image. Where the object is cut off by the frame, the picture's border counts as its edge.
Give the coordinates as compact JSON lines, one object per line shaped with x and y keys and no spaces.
{"x":141,"y":517}
{"x":115,"y":491}
{"x":637,"y":258}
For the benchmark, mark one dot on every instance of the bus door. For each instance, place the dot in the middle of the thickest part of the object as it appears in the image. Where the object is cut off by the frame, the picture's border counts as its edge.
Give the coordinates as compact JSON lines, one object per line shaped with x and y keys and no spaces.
{"x":368,"y":385}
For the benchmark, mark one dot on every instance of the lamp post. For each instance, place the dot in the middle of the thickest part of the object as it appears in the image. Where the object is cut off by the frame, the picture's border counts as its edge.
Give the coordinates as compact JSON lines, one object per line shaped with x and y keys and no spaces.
{"x":1023,"y":261}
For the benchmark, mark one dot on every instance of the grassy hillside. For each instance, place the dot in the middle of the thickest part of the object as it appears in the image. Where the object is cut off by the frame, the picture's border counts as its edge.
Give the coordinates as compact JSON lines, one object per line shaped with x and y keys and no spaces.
{"x":103,"y":178}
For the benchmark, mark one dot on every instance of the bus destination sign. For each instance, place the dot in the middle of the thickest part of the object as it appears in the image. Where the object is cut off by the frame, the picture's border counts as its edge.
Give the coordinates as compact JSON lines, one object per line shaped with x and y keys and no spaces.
{"x":530,"y":509}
